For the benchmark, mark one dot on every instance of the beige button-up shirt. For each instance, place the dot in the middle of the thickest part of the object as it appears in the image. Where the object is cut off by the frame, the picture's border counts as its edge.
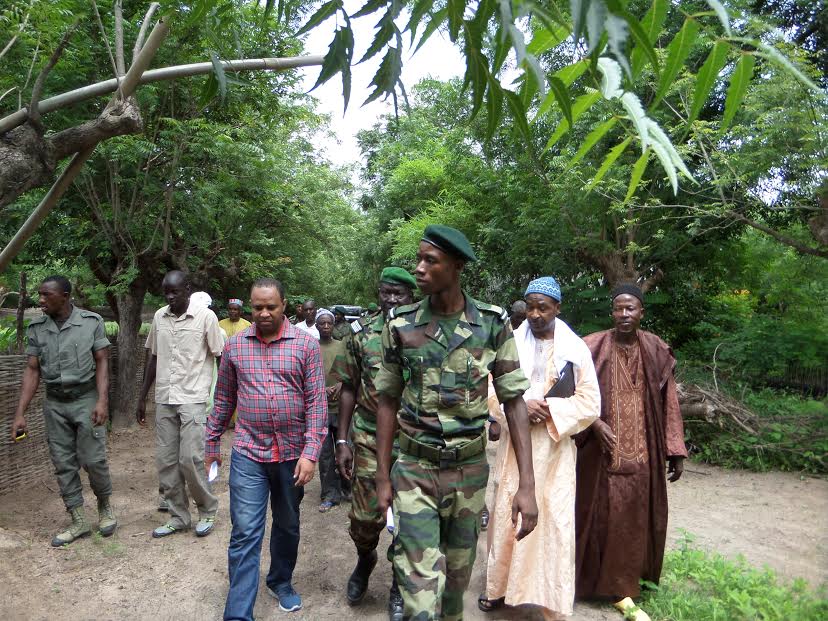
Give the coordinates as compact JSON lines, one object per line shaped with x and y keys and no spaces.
{"x":186,"y":348}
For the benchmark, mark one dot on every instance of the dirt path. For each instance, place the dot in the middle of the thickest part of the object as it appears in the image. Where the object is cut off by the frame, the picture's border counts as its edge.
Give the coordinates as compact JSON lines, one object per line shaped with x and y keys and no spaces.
{"x":776,"y":519}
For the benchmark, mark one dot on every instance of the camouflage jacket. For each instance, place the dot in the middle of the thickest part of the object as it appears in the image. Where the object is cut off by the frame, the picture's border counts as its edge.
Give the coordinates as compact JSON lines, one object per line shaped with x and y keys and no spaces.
{"x":358,"y":366}
{"x":341,"y":331}
{"x":442,"y":380}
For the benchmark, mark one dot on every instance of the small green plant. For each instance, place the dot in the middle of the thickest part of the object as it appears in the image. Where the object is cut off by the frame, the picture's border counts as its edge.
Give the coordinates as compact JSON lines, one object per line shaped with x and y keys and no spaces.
{"x":112,"y":329}
{"x":701,"y":586}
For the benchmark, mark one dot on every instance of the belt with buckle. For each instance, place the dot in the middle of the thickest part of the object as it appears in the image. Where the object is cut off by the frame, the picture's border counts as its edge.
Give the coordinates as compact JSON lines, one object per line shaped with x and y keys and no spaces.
{"x":442,"y":456}
{"x":70,"y":393}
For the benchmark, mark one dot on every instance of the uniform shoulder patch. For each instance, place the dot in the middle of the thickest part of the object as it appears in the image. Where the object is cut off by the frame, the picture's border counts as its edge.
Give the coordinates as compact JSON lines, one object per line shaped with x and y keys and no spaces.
{"x":89,"y":314}
{"x":492,"y":308}
{"x":404,"y":310}
{"x":356,"y":326}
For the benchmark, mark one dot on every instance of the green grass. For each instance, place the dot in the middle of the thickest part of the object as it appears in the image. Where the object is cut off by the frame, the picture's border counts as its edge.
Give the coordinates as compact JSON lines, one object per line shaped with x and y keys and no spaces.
{"x":701,"y":586}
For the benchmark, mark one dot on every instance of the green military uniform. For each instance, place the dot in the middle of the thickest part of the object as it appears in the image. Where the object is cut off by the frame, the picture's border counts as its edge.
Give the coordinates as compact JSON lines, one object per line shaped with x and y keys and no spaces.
{"x":341,"y":331}
{"x":357,"y":368}
{"x":67,"y":366}
{"x":439,"y":368}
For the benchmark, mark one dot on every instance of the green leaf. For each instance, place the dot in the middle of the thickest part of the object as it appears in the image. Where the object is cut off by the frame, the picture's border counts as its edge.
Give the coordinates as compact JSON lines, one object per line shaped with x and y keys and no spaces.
{"x":386,"y":29}
{"x":338,"y":60}
{"x":592,"y":139}
{"x":706,"y":78}
{"x":637,"y":115}
{"x":771,"y":53}
{"x":421,"y":7}
{"x":494,"y":106}
{"x":610,"y":77}
{"x":652,"y":23}
{"x":372,"y":6}
{"x":641,"y":39}
{"x":221,"y":79}
{"x":388,"y":74}
{"x":544,"y":40}
{"x":561,"y":93}
{"x":595,"y":17}
{"x":436,"y":21}
{"x":677,"y":53}
{"x":567,"y":75}
{"x":738,"y":87}
{"x":455,"y":17}
{"x":637,"y":172}
{"x":501,"y":51}
{"x":578,"y":9}
{"x":613,"y":155}
{"x":721,"y":12}
{"x":323,"y":13}
{"x":581,"y":105}
{"x":208,"y":91}
{"x":667,"y":164}
{"x":617,"y":31}
{"x":518,"y":112}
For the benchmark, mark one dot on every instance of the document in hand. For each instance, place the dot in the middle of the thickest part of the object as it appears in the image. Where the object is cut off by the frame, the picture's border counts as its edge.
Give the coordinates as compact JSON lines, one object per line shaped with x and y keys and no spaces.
{"x":565,"y":386}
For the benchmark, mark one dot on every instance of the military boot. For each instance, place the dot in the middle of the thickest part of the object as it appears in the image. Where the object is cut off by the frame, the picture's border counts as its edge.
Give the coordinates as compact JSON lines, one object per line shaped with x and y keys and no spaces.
{"x":106,"y":517}
{"x":358,"y":582}
{"x":395,"y":602}
{"x":79,"y":528}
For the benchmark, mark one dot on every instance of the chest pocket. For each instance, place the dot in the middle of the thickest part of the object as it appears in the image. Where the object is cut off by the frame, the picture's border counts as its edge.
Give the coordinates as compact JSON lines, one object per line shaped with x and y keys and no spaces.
{"x":77,"y":362}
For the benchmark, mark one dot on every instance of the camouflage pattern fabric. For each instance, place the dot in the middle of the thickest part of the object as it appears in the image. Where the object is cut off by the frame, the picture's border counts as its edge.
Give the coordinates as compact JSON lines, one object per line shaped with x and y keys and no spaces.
{"x":437,"y":514}
{"x":341,"y":331}
{"x":442,"y":379}
{"x":442,"y":383}
{"x":358,"y":367}
{"x":366,"y":520}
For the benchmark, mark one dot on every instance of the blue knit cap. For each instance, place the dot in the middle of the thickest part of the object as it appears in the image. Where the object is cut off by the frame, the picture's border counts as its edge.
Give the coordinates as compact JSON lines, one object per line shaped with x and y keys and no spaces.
{"x":546,"y":285}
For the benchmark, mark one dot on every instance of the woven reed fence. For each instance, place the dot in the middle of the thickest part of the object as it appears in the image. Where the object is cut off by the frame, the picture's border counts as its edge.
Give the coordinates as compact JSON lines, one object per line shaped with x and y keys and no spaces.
{"x":27,"y":462}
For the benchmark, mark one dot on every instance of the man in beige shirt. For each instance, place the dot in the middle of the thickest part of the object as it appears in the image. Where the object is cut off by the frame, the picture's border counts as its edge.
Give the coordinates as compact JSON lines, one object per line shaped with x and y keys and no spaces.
{"x":185,"y":343}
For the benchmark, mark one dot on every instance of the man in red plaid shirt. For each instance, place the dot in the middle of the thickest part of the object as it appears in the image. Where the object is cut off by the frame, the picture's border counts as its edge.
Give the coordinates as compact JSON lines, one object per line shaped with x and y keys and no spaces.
{"x":272,"y":373}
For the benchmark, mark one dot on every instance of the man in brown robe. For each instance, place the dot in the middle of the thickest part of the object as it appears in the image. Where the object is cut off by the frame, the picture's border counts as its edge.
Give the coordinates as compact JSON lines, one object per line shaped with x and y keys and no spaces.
{"x":621,"y":498}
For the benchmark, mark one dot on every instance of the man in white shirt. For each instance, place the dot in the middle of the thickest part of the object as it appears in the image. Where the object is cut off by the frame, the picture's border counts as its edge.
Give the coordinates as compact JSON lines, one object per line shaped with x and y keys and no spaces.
{"x":309,"y":323}
{"x":184,"y":342}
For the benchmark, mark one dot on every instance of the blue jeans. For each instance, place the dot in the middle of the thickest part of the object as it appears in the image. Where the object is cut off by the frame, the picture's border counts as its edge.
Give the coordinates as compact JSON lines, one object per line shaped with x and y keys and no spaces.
{"x":250,"y":484}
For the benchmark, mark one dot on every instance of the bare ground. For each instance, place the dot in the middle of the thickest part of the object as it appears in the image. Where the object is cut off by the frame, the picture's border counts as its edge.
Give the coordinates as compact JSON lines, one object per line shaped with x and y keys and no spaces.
{"x":776,"y":519}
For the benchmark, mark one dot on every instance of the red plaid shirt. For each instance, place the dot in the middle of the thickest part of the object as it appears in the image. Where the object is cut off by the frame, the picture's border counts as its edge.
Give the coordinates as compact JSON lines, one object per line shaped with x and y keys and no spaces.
{"x":279,"y":390}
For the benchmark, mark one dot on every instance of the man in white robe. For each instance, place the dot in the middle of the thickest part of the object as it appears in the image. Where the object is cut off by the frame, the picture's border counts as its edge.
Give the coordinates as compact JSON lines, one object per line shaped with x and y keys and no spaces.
{"x":540,"y":569}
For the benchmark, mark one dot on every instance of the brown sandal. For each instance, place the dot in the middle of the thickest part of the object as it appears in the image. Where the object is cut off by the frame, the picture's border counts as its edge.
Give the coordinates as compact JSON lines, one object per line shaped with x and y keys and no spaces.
{"x":488,"y":605}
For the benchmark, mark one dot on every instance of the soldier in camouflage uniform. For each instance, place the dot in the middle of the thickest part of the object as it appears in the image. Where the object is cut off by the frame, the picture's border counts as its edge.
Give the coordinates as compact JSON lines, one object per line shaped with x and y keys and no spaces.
{"x":68,"y":348}
{"x":437,"y":357}
{"x":358,"y":404}
{"x":342,"y":329}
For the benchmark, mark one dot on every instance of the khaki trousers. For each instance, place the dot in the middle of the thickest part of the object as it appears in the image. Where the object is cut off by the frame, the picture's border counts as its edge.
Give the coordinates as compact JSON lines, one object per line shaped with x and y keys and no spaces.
{"x":179,"y":431}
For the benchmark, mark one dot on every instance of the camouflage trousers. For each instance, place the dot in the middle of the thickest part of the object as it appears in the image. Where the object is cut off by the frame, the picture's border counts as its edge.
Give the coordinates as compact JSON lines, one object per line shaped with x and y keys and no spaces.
{"x":366,"y":520}
{"x":437,"y":516}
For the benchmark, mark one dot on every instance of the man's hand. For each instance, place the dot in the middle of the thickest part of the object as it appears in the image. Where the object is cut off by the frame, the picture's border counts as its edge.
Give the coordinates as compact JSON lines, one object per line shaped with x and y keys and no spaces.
{"x":141,"y":413}
{"x":333,"y":392}
{"x":538,"y":410}
{"x":208,"y":461}
{"x":100,"y":414}
{"x":303,"y":472}
{"x":605,"y":436}
{"x":385,"y":495}
{"x":344,"y":460}
{"x":675,"y":468}
{"x":494,"y":431}
{"x":524,"y":503}
{"x":18,"y":425}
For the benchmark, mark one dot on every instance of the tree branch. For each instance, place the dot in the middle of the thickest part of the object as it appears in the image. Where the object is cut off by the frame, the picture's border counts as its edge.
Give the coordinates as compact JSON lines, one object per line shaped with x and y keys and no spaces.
{"x":20,"y":29}
{"x":139,"y":42}
{"x":108,"y":48}
{"x":37,"y":89}
{"x":120,"y":64}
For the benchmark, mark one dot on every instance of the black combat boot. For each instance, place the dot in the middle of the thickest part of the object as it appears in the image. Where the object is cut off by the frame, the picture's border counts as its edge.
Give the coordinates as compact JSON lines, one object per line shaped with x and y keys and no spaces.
{"x":358,"y":582}
{"x":395,"y":602}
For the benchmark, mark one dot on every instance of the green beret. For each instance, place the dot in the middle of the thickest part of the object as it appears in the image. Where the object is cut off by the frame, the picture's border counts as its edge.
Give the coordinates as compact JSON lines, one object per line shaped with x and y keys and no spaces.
{"x":338,"y":309}
{"x":398,"y":276}
{"x":372,"y":307}
{"x":449,"y":240}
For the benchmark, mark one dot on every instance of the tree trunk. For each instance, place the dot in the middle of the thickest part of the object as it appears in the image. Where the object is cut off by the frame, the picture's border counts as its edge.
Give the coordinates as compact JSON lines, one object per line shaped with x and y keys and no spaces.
{"x":128,"y":381}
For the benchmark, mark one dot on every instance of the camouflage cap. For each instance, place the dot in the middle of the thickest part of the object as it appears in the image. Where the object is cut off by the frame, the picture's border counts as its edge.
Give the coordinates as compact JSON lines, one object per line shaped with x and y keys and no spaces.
{"x":398,"y":276}
{"x":449,"y":240}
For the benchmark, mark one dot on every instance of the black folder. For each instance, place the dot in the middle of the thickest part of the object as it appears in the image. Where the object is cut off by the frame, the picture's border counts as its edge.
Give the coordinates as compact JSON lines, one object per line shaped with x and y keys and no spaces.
{"x":565,"y":386}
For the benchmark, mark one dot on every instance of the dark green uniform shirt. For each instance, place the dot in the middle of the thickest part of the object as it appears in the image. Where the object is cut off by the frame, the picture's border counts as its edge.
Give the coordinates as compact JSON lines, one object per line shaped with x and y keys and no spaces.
{"x":442,"y":379}
{"x":358,"y":366}
{"x":65,"y":354}
{"x":341,"y":331}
